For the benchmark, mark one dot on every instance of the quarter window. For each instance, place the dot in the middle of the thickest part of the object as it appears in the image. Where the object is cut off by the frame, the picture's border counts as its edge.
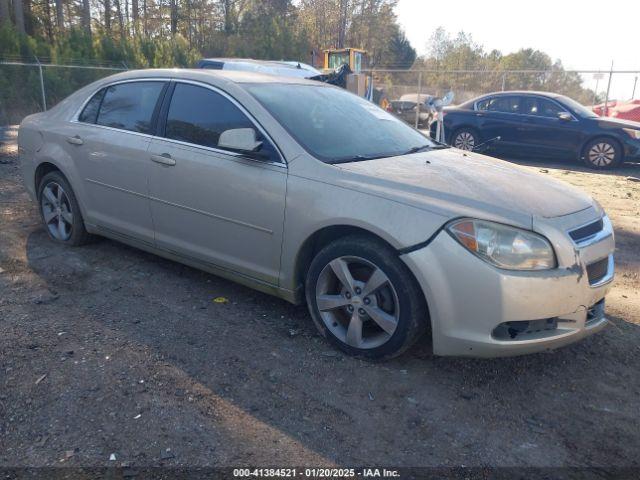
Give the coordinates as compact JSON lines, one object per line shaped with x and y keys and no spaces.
{"x":199,"y":115}
{"x":130,"y":106}
{"x":90,"y":111}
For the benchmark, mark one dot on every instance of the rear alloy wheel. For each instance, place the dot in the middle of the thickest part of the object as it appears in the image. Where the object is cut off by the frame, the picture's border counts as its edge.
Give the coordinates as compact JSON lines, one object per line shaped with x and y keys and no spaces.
{"x":364,"y":299}
{"x":60,"y":210}
{"x":56,"y":211}
{"x":465,"y":140}
{"x":602,"y":153}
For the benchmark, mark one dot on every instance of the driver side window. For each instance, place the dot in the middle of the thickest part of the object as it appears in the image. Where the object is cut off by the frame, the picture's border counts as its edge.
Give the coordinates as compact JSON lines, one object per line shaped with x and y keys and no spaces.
{"x":199,"y":115}
{"x":541,"y":107}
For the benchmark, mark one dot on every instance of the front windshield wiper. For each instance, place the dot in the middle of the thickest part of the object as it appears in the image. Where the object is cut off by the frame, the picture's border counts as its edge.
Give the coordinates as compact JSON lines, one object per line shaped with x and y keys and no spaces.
{"x":357,"y":158}
{"x":424,"y":147}
{"x":361,"y":158}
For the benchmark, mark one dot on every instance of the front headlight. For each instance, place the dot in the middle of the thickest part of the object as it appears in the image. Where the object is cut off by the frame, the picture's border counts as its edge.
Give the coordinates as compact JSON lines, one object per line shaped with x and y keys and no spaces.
{"x":504,"y":246}
{"x":632,"y":132}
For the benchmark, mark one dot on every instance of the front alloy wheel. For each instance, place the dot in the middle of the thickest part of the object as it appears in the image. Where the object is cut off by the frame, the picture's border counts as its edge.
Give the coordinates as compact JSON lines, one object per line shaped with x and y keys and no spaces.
{"x":601,"y":154}
{"x":364,"y":299}
{"x":357,"y":302}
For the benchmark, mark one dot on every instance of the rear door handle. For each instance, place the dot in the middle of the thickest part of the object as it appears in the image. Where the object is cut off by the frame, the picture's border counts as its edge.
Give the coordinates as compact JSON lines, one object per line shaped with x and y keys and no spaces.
{"x":75,"y":140}
{"x":164,"y":159}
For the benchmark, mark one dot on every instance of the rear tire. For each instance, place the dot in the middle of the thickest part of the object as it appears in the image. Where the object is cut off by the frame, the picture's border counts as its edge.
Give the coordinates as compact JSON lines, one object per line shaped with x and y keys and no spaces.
{"x":602,"y":153}
{"x":465,"y":139}
{"x":364,"y":299}
{"x":60,"y":210}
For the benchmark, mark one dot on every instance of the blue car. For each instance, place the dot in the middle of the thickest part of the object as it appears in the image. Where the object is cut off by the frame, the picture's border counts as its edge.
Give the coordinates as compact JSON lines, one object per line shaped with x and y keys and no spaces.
{"x":541,"y":124}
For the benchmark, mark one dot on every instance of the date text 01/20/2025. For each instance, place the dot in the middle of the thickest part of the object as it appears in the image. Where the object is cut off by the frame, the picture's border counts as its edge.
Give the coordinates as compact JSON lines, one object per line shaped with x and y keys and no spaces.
{"x":316,"y":472}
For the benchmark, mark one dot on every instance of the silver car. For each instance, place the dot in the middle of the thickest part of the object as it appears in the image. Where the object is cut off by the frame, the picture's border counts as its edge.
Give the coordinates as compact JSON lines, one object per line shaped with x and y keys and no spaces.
{"x":312,"y":194}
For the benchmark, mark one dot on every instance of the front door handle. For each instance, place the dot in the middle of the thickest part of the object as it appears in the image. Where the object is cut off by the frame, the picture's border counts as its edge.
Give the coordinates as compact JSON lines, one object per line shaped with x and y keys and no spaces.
{"x":164,"y":159}
{"x":75,"y":140}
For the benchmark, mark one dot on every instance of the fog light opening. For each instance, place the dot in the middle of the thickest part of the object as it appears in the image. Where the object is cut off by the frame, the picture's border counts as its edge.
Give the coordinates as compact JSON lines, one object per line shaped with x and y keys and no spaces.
{"x":520,"y":330}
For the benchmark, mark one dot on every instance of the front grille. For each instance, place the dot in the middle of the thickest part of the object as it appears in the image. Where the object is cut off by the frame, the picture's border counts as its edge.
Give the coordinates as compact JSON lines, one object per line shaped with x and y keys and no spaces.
{"x":580,"y":234}
{"x":596,"y":271}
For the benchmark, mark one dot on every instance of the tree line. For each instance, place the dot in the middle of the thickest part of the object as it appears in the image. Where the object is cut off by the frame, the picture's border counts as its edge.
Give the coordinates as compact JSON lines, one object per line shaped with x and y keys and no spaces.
{"x":168,"y":33}
{"x":127,"y":30}
{"x":525,"y":69}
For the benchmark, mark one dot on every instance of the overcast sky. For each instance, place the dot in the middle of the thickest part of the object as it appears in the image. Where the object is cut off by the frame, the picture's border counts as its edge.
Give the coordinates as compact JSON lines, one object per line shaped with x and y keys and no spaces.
{"x":582,"y":34}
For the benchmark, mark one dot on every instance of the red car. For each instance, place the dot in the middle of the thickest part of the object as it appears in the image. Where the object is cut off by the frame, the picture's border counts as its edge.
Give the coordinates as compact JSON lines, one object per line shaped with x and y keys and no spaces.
{"x":623,"y":110}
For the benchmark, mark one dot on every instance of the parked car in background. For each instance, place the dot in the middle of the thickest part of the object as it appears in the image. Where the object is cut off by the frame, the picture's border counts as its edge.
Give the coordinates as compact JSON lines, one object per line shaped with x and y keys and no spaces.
{"x":405,"y":108}
{"x":308,"y":192}
{"x":542,"y":124}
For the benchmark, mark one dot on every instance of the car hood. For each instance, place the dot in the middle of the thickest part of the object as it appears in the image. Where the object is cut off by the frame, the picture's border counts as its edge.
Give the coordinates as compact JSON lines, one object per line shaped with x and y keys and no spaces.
{"x":455,"y":183}
{"x":616,"y":122}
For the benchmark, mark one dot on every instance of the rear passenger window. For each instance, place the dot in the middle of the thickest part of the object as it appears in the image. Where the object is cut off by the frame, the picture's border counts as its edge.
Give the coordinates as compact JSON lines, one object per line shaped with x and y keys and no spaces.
{"x":500,"y":104}
{"x":199,"y":115}
{"x":130,"y":106}
{"x":90,"y":111}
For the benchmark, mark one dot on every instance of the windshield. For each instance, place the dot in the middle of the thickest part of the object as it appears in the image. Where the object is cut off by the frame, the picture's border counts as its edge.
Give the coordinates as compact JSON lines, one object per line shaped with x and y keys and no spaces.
{"x":579,"y":109}
{"x":336,"y":126}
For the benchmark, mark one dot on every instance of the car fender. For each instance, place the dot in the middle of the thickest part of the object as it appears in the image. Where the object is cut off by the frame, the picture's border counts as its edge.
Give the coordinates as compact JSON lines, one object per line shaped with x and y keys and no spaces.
{"x":313,"y":205}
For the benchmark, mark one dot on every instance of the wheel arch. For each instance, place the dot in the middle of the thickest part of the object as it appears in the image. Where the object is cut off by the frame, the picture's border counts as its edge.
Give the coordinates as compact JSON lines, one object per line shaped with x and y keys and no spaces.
{"x":596,"y":136}
{"x":323,"y":237}
{"x":46,"y":166}
{"x":43,"y":169}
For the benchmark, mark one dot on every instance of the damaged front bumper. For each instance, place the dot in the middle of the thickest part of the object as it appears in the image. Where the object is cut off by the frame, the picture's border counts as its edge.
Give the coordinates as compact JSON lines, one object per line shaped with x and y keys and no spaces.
{"x":479,"y":310}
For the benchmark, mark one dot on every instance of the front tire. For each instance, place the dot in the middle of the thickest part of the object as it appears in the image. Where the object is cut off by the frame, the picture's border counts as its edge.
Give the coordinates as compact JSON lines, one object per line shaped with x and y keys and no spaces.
{"x":363,"y":299}
{"x":602,"y":153}
{"x":465,"y":139}
{"x":60,"y":211}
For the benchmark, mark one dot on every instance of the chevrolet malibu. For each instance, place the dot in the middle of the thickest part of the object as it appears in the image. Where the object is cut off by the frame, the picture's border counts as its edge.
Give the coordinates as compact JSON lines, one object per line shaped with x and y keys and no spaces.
{"x":307,"y":192}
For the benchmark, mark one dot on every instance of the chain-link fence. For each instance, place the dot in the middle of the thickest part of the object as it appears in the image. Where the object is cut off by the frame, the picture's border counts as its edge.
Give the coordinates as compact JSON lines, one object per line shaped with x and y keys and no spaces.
{"x":29,"y":87}
{"x":588,"y":87}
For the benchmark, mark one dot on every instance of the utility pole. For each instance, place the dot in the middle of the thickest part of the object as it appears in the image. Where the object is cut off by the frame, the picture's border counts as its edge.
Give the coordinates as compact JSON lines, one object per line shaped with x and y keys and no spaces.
{"x":606,"y":100}
{"x":418,"y":101}
{"x":42,"y":91}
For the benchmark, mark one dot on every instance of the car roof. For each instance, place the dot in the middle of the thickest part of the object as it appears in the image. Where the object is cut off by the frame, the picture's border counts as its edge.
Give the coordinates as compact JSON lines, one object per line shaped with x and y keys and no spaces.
{"x":415,"y":97}
{"x":235,"y":59}
{"x":213,"y":76}
{"x":506,"y":93}
{"x":521,"y":92}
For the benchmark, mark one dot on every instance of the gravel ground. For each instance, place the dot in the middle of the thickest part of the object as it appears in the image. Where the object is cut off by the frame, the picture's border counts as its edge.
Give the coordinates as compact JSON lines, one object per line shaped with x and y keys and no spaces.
{"x":109,"y":352}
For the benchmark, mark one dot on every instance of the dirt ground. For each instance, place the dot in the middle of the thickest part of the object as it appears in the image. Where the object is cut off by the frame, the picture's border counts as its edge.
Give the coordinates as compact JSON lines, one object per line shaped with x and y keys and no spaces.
{"x":109,"y":352}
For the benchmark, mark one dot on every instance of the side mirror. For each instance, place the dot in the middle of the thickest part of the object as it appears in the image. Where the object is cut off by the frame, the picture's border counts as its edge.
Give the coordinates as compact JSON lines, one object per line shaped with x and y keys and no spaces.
{"x":242,"y":139}
{"x":565,"y":116}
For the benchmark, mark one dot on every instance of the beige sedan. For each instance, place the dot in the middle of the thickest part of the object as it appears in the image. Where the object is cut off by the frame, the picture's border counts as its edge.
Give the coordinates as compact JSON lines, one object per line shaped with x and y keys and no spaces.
{"x":312,"y":194}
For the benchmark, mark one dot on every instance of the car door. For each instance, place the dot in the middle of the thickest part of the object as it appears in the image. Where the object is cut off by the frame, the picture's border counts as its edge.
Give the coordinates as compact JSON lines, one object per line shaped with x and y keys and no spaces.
{"x":498,"y":116}
{"x":209,"y":203}
{"x":543,"y":129}
{"x":109,"y":145}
